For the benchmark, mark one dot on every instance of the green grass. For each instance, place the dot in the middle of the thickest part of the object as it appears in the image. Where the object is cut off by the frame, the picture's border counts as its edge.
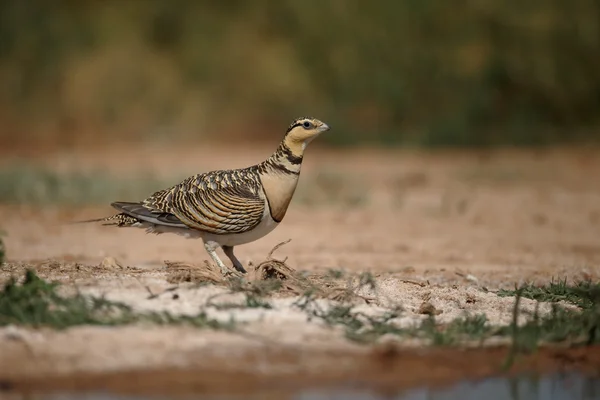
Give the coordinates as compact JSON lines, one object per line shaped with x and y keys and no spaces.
{"x":36,"y":303}
{"x":579,"y":326}
{"x":585,"y":294}
{"x":363,"y":328}
{"x":562,"y":325}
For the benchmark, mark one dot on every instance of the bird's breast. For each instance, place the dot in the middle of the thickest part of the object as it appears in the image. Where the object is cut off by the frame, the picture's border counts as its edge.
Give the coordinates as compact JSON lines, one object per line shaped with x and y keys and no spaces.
{"x":279,"y":190}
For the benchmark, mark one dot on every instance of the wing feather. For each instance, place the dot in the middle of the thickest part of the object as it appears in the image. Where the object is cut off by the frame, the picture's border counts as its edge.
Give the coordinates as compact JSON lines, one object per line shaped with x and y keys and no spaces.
{"x":219,"y":202}
{"x":139,"y":211}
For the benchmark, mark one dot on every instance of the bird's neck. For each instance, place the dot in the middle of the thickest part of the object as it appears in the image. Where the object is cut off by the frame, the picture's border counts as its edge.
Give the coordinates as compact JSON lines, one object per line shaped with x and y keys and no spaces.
{"x":287,"y":158}
{"x":279,"y":176}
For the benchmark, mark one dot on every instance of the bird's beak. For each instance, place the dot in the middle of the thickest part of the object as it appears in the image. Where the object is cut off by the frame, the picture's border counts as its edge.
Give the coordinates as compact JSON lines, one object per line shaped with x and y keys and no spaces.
{"x":323,"y":128}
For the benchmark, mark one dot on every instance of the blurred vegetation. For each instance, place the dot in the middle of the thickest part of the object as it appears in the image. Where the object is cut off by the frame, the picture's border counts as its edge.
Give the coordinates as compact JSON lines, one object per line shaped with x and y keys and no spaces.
{"x":27,"y":183}
{"x":428,"y":73}
{"x":2,"y":248}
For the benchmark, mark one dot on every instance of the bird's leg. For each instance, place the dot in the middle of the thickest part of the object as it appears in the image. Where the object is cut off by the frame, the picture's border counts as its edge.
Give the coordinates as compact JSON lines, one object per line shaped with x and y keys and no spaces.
{"x":228,"y":250}
{"x":210,"y":249}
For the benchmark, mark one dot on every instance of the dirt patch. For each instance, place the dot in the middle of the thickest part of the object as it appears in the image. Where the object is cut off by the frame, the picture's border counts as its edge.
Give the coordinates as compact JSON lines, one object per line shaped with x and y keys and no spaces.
{"x":271,"y":277}
{"x":437,"y":234}
{"x":270,"y":269}
{"x":274,"y":293}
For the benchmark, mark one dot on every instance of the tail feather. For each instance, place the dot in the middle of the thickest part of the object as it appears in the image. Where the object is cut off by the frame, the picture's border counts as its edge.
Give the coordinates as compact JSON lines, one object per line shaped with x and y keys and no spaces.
{"x":142,"y":213}
{"x":133,"y":213}
{"x":85,"y":221}
{"x":117,"y":219}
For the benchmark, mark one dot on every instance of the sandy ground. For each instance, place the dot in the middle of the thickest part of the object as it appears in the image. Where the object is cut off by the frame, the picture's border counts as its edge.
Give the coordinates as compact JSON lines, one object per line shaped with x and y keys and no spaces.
{"x":439,"y":228}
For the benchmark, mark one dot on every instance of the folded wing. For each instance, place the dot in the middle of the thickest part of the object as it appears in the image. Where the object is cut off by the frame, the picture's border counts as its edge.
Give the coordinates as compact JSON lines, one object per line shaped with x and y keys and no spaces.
{"x":218,"y":204}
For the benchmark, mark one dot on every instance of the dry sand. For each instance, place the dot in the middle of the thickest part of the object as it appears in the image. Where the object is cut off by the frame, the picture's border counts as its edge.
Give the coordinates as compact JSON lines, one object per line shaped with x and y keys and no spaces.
{"x":446,"y":229}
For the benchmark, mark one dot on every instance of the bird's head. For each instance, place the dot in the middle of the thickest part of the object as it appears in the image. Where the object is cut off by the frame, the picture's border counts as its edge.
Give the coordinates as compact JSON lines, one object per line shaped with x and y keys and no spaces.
{"x":303,"y":130}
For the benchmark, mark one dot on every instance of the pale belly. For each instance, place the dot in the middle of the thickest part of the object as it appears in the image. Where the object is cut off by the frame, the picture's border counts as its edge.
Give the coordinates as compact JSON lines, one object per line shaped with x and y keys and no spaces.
{"x":264,"y":228}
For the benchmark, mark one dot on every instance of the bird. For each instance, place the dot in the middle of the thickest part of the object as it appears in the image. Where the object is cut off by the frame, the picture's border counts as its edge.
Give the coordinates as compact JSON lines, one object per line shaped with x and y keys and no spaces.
{"x":226,"y":208}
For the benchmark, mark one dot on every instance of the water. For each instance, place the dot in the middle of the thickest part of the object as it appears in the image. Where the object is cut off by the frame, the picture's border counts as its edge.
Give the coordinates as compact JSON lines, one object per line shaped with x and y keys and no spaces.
{"x":554,"y":387}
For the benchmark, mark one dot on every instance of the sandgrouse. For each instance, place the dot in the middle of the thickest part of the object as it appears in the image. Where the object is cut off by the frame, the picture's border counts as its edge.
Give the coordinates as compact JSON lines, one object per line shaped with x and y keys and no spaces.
{"x":226,"y":207}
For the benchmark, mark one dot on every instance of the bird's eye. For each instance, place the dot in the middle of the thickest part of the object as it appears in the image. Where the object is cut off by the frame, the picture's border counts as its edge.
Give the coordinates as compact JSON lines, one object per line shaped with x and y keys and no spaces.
{"x":306,"y":124}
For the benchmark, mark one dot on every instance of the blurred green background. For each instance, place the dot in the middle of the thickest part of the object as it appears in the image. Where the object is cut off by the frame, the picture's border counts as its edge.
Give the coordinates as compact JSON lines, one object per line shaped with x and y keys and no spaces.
{"x":413,"y":72}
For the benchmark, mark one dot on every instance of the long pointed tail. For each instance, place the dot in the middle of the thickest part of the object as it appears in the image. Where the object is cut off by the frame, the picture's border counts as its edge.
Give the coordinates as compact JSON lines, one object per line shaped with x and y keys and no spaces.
{"x":117,"y":219}
{"x":88,"y":220}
